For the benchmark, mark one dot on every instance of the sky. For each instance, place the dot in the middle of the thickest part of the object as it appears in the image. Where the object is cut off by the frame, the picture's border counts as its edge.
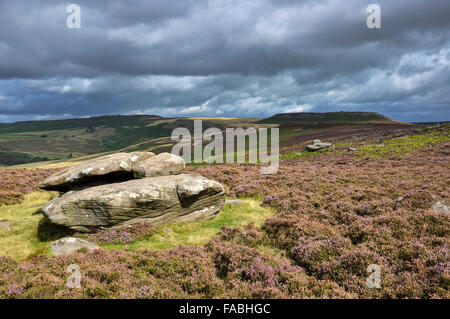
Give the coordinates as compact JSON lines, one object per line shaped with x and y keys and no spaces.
{"x":224,"y":58}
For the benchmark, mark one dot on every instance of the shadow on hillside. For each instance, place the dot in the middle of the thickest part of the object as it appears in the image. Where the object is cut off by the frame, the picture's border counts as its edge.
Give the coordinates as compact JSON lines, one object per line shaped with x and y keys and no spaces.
{"x":49,"y":232}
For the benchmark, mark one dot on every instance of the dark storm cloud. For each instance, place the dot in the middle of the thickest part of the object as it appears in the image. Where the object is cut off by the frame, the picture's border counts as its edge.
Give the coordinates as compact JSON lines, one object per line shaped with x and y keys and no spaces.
{"x":224,"y":57}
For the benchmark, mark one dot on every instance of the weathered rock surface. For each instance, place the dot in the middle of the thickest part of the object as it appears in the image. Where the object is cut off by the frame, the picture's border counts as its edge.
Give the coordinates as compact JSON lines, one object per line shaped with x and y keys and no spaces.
{"x":160,"y":165}
{"x":441,"y":206}
{"x":157,"y":200}
{"x":106,"y":169}
{"x":6,"y":225}
{"x":318,"y":145}
{"x":104,"y":193}
{"x":70,"y":245}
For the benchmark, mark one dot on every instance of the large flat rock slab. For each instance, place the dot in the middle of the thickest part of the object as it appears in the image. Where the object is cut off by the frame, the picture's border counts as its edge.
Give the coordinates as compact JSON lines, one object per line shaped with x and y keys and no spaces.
{"x":112,"y":168}
{"x":157,"y":200}
{"x":160,"y":165}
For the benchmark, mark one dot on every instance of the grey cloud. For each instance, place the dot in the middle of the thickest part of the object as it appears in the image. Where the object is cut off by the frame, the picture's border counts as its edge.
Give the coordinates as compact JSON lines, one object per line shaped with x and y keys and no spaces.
{"x":234,"y":57}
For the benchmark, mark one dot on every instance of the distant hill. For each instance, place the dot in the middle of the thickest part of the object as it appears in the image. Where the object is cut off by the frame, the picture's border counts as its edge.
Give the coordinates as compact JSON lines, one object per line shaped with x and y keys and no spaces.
{"x":33,"y":141}
{"x":24,"y":142}
{"x":329,"y":117}
{"x":107,"y":121}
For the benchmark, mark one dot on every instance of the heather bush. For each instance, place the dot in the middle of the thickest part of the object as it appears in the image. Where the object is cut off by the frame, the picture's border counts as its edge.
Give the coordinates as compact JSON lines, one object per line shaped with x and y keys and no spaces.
{"x":182,"y":273}
{"x":285,"y":232}
{"x":7,"y":264}
{"x":248,"y":235}
{"x":353,"y":203}
{"x":15,"y":183}
{"x":122,"y":235}
{"x":310,"y":253}
{"x":249,"y":274}
{"x":269,"y":199}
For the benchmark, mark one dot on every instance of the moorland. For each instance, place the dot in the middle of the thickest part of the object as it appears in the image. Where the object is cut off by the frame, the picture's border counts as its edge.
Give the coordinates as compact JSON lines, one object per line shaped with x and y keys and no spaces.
{"x":309,"y":231}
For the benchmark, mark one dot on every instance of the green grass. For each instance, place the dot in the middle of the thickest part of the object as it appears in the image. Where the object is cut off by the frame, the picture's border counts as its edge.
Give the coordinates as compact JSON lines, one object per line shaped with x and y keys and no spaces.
{"x":17,"y":136}
{"x":400,"y":147}
{"x":304,"y":153}
{"x":198,"y":233}
{"x":23,"y":239}
{"x":31,"y":235}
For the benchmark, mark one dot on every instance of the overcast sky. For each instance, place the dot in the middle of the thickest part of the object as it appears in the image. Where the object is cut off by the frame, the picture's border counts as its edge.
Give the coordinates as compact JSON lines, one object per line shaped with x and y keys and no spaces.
{"x":224,"y":58}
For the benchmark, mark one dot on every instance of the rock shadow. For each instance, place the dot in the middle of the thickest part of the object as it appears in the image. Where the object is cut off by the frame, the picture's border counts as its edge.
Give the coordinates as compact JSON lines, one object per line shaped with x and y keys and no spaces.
{"x":47,"y":231}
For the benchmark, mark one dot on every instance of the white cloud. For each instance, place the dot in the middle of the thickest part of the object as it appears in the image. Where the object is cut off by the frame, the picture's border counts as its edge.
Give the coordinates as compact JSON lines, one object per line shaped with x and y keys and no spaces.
{"x":297,"y":108}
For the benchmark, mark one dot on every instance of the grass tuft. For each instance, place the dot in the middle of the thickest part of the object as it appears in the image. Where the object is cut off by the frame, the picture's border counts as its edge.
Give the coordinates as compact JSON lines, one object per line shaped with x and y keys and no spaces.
{"x":400,"y":147}
{"x":23,"y":241}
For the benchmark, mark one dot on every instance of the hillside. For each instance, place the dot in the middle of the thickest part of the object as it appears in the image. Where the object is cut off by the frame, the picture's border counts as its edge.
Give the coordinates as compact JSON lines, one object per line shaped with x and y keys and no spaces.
{"x":329,"y":117}
{"x":25,"y":142}
{"x":36,"y":141}
{"x":108,"y":121}
{"x":61,"y":140}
